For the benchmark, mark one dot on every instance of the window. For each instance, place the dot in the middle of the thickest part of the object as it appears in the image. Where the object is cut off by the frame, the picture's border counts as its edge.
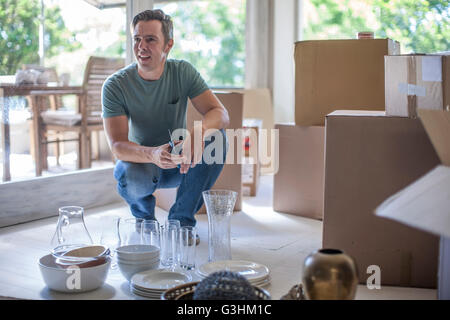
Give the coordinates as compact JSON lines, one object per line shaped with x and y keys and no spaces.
{"x":210,"y":35}
{"x":74,"y":30}
{"x":98,"y":32}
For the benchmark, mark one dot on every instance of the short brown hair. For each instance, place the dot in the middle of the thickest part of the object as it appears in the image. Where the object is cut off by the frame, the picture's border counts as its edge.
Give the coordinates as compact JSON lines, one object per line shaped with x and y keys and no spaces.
{"x":157,"y":14}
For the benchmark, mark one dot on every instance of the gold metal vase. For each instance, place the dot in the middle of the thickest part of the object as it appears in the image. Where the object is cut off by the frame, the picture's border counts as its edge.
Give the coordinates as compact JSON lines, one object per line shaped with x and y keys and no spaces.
{"x":329,"y":274}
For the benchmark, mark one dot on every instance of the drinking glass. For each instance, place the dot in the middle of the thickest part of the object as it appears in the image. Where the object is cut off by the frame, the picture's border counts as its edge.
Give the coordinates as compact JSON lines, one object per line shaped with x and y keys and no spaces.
{"x":130,"y":231}
{"x":187,"y":237}
{"x":173,"y":223}
{"x":110,"y":236}
{"x":169,"y":245}
{"x":150,"y":233}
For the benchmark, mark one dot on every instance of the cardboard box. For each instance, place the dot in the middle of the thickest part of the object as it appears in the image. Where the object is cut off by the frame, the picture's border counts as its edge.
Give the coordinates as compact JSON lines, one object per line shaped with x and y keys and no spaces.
{"x":250,"y":165}
{"x":339,"y":74}
{"x":258,"y":105}
{"x":250,"y":178}
{"x":368,"y":157}
{"x":425,"y":203}
{"x":416,"y":81}
{"x":231,"y":175}
{"x":298,"y":186}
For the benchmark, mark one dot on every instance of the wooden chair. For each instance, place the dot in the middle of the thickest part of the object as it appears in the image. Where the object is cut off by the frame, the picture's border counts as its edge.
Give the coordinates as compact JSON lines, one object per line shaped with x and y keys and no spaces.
{"x":55,"y":102}
{"x":52,"y":103}
{"x":96,"y":71}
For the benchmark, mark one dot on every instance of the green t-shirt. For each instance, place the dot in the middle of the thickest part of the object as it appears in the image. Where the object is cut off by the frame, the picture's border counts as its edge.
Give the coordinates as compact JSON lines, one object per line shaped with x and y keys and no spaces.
{"x":152,"y":107}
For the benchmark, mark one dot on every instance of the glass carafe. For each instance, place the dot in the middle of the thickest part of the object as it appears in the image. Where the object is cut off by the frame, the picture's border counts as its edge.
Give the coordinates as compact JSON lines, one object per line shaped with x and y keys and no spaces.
{"x":219,"y":207}
{"x":71,"y":228}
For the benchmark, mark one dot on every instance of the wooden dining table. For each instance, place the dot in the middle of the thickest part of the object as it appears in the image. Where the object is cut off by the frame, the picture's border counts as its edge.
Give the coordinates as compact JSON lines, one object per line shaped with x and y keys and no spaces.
{"x":38,"y":95}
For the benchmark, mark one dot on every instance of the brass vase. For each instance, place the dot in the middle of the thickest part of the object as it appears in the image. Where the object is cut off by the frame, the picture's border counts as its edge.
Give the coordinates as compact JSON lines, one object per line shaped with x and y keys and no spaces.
{"x":329,"y":274}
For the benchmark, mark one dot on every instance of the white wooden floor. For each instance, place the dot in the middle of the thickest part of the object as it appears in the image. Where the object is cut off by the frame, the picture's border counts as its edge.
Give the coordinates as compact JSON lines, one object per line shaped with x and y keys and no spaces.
{"x":280,"y":241}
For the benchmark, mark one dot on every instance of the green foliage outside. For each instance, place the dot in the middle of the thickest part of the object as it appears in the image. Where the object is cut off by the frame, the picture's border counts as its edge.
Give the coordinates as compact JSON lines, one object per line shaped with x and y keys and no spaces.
{"x":211,"y":36}
{"x":19,"y":34}
{"x":117,"y":49}
{"x":421,"y":26}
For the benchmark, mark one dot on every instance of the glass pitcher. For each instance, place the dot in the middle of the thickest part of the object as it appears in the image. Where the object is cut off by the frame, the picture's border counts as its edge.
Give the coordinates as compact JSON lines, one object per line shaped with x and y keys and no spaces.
{"x":70,"y":228}
{"x":219,"y":207}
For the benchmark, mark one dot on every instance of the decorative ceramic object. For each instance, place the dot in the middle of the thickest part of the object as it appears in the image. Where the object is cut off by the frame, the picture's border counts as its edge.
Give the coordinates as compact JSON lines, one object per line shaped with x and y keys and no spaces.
{"x":329,"y":274}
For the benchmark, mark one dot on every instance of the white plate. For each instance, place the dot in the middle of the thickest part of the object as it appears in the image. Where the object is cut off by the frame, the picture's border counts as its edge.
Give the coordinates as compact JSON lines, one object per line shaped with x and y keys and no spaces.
{"x":252,"y":271}
{"x":159,"y":279}
{"x":149,"y":291}
{"x":146,"y":294}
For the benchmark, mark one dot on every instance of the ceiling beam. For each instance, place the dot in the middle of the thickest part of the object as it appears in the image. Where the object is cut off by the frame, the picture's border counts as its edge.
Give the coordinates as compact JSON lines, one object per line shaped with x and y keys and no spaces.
{"x":105,"y":4}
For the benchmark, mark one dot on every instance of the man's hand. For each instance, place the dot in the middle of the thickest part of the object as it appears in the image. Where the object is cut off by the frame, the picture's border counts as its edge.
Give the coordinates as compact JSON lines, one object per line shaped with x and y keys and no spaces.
{"x":163,"y":158}
{"x":215,"y":116}
{"x":193,"y":147}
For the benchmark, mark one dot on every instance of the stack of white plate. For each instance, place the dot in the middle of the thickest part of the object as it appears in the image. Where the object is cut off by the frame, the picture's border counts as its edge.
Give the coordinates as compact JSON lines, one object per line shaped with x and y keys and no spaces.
{"x":257,"y":274}
{"x":153,"y":283}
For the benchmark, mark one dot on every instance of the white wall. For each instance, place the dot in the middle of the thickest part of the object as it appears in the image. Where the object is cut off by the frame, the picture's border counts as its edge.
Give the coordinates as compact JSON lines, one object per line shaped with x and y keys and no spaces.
{"x":285,"y":25}
{"x":133,"y":8}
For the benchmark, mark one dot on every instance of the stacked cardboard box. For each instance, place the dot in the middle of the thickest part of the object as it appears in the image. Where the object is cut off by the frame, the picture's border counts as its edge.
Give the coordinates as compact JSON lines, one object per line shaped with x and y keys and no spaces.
{"x":415,"y":85}
{"x":425,"y":203}
{"x":368,"y":157}
{"x":329,"y":75}
{"x":339,"y":74}
{"x":389,"y":152}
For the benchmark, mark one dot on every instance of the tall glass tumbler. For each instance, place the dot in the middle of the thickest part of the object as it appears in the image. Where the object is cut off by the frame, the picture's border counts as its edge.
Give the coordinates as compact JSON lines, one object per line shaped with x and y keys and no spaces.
{"x":187,"y":239}
{"x":219,"y":207}
{"x":173,"y":222}
{"x":169,"y":245}
{"x":130,"y":231}
{"x":151,"y":233}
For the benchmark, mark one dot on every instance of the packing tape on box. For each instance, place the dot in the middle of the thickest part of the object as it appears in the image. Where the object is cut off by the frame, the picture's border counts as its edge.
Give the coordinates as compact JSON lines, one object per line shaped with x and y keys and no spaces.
{"x":411,"y":86}
{"x":412,"y":89}
{"x":411,"y":71}
{"x":412,"y":106}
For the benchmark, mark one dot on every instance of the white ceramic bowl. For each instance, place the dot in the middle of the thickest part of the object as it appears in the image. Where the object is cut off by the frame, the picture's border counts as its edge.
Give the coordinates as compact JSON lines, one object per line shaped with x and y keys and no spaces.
{"x":137,"y":252}
{"x":78,"y":253}
{"x":137,"y":259}
{"x":88,"y":251}
{"x":72,"y":280}
{"x":138,"y":262}
{"x":128,"y":270}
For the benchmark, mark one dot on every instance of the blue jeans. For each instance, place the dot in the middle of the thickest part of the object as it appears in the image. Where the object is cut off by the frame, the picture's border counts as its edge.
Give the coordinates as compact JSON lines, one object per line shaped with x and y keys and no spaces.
{"x":138,"y":181}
